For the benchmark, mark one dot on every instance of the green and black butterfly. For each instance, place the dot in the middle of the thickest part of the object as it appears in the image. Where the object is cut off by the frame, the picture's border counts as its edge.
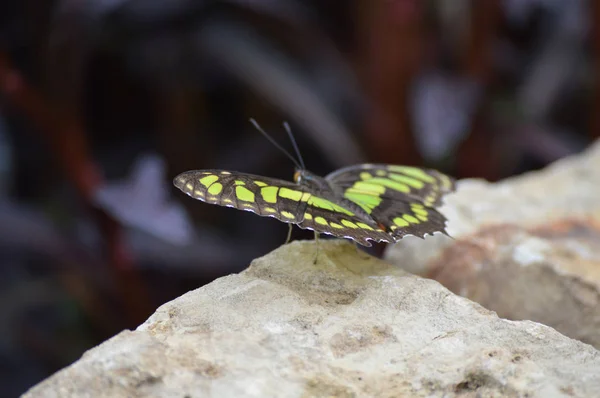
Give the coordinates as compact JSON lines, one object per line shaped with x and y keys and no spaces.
{"x":365,"y":202}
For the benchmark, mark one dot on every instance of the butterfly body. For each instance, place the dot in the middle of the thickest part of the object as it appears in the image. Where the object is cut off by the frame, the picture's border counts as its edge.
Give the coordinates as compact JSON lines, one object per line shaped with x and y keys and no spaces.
{"x":366,"y":202}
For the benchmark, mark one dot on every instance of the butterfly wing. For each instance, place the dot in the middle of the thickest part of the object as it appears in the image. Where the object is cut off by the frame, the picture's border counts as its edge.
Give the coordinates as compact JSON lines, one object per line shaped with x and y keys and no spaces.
{"x":331,"y":217}
{"x":401,"y":199}
{"x":264,"y":196}
{"x":425,"y":185}
{"x":286,"y":201}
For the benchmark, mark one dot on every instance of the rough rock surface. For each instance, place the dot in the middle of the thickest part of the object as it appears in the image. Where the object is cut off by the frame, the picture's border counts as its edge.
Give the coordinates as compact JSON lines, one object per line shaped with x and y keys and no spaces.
{"x":527,"y":247}
{"x":350,"y":326}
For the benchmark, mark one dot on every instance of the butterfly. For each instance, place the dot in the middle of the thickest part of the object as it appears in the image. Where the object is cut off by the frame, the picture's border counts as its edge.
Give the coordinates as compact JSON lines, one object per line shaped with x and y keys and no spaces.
{"x":366,"y":202}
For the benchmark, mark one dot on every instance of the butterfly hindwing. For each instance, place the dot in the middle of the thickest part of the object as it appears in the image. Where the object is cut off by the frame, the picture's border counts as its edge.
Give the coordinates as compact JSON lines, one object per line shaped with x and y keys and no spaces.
{"x":425,"y":185}
{"x":264,"y":196}
{"x":402,"y":217}
{"x":400,"y":198}
{"x":328,"y":217}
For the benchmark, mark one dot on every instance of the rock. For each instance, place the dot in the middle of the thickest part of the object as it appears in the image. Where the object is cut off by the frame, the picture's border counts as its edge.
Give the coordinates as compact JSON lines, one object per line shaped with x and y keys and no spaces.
{"x":350,"y":326}
{"x":527,"y":247}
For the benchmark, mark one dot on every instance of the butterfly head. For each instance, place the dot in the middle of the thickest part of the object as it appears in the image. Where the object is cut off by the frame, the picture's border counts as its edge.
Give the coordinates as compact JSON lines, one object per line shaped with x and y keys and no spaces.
{"x":298,"y":176}
{"x":308,"y":179}
{"x":303,"y":176}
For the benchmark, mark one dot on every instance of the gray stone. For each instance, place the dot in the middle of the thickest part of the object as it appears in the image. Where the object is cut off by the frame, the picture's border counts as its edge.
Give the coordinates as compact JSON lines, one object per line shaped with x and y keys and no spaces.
{"x":350,"y":326}
{"x":527,"y":247}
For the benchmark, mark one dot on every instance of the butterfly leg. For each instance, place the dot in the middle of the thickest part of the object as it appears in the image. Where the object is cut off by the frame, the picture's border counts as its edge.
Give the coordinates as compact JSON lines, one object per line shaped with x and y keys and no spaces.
{"x":317,"y":244}
{"x":289,"y":236}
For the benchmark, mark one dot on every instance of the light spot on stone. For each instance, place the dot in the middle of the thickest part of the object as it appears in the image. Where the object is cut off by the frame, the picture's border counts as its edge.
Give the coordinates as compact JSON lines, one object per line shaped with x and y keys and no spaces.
{"x":530,"y":251}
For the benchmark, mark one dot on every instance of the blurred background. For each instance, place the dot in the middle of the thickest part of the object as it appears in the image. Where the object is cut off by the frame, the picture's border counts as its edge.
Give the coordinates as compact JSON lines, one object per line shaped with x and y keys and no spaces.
{"x":103,"y":102}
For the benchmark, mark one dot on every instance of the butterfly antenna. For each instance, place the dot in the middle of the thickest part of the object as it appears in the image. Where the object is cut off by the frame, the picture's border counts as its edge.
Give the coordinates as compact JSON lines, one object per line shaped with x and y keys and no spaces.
{"x":272,"y":141}
{"x":289,"y":131}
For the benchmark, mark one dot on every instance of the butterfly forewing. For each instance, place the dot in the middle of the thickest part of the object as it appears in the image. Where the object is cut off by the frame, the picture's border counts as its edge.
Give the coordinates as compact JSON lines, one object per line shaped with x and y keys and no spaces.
{"x":261,"y":195}
{"x":401,"y":217}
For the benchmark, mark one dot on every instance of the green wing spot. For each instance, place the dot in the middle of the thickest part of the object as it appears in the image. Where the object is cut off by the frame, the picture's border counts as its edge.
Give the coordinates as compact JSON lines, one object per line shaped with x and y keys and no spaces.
{"x":365,"y":176}
{"x":334,"y":225}
{"x":260,"y":183}
{"x":399,"y":221}
{"x":364,"y":226}
{"x":390,"y":184}
{"x":413,"y":172}
{"x":364,"y":199}
{"x":269,"y":194}
{"x":308,"y":216}
{"x":446,"y":182}
{"x":269,"y":210}
{"x":349,"y":224}
{"x":215,"y":188}
{"x":290,"y":194}
{"x":243,"y":193}
{"x":380,"y":173}
{"x":411,"y":219}
{"x":327,"y":205}
{"x":206,"y":181}
{"x":429,"y":200}
{"x":413,"y":182}
{"x":287,"y":214}
{"x":420,"y":212}
{"x":368,"y":187}
{"x":320,"y":220}
{"x":239,"y":182}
